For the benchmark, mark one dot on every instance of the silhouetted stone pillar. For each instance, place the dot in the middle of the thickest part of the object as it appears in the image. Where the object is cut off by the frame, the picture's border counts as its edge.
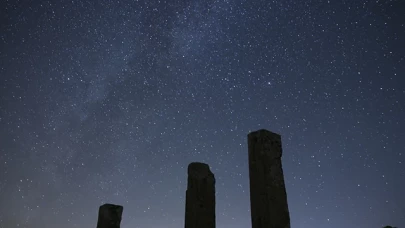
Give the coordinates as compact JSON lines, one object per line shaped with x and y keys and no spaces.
{"x":268,"y":197}
{"x":109,"y":216}
{"x":200,"y":197}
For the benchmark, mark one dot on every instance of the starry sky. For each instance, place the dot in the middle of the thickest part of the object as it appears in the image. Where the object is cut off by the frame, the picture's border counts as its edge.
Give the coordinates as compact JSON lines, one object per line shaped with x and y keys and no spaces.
{"x":109,"y":101}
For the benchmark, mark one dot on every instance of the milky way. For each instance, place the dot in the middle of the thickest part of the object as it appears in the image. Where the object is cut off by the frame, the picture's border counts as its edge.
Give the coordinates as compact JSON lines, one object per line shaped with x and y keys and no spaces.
{"x":109,"y":101}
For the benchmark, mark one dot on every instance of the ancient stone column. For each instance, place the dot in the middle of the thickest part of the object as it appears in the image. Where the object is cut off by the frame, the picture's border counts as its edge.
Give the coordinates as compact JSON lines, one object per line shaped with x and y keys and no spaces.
{"x":268,"y":197}
{"x":200,"y":197}
{"x":109,"y":216}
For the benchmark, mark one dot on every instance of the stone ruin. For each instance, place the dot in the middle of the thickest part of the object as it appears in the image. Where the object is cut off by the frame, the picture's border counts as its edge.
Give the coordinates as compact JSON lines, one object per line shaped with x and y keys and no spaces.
{"x":268,"y":197}
{"x":109,"y":216}
{"x":200,"y":197}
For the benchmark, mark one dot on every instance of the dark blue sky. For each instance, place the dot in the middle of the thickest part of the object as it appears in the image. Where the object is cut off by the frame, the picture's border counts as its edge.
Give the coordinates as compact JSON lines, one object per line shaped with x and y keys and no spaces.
{"x":108,"y":101}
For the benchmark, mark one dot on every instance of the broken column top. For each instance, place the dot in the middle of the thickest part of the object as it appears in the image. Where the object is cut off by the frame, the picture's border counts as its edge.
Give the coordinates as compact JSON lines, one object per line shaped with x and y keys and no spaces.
{"x":199,"y":170}
{"x":109,"y":208}
{"x":110,"y":205}
{"x":264,"y":140}
{"x":262,"y":132}
{"x":109,"y":216}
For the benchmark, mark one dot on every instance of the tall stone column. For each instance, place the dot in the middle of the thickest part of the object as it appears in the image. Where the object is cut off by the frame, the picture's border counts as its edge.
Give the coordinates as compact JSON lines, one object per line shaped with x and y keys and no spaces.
{"x":268,"y":197}
{"x":109,"y":216}
{"x":200,"y":197}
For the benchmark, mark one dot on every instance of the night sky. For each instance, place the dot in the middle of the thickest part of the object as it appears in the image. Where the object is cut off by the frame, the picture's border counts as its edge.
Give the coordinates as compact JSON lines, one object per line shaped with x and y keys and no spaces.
{"x":109,"y":101}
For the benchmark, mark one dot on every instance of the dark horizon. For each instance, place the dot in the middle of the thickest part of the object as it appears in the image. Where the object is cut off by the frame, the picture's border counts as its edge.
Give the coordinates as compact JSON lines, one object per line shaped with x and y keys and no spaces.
{"x":109,"y":101}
